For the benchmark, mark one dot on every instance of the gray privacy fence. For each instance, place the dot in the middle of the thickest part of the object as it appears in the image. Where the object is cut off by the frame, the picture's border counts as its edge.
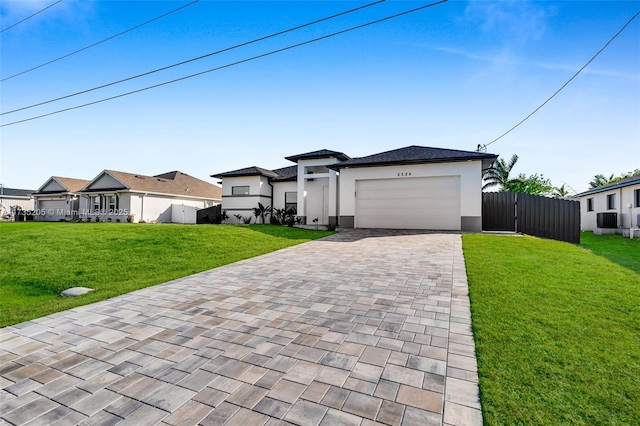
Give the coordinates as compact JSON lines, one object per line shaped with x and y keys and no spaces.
{"x":543,"y":217}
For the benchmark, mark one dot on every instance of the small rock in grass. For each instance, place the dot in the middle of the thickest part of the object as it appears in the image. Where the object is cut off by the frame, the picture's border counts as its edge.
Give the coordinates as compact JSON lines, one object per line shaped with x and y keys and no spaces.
{"x":76,"y":291}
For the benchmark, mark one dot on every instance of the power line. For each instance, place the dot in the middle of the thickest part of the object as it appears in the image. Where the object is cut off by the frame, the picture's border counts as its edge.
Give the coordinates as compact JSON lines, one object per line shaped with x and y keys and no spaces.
{"x":101,"y":41}
{"x":564,"y":85}
{"x":196,"y":58}
{"x":273,"y":52}
{"x":31,"y":16}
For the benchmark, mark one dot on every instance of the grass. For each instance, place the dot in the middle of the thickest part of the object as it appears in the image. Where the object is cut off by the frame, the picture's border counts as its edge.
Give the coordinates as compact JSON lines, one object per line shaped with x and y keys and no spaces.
{"x":623,"y":251}
{"x":557,"y":330}
{"x":39,"y":260}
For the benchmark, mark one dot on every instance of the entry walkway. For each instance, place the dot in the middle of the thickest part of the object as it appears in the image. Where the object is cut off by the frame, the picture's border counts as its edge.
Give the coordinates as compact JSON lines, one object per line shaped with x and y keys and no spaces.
{"x":360,"y":328}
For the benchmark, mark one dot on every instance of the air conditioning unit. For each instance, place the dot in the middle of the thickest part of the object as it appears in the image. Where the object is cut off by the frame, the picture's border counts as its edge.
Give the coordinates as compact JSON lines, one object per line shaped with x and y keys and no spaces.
{"x":607,"y":220}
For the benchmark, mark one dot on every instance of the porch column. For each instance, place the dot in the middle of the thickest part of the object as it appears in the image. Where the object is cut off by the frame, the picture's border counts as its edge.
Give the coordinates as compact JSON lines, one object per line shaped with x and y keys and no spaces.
{"x":333,"y":197}
{"x":301,"y":194}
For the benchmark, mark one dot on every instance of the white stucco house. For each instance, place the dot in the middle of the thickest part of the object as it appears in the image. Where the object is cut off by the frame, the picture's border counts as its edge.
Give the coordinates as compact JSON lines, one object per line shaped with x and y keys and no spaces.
{"x":612,"y":208}
{"x":58,"y":199}
{"x":414,"y":187}
{"x":115,"y":196}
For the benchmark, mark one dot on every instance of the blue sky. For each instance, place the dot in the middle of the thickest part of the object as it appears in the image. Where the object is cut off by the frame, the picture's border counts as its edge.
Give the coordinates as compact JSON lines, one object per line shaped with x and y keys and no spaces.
{"x":454,"y":75}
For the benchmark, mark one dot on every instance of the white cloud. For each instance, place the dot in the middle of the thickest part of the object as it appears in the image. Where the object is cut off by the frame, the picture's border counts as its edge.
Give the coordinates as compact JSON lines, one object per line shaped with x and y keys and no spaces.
{"x":519,"y":19}
{"x":13,"y":11}
{"x":504,"y":58}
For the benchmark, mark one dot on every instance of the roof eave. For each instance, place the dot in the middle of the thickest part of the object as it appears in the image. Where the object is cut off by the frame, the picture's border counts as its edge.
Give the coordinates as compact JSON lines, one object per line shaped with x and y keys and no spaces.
{"x":296,"y":158}
{"x":607,"y":188}
{"x":338,"y":166}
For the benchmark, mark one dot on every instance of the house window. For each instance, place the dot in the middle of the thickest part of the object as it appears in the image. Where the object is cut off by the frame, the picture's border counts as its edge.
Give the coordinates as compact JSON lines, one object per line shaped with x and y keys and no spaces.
{"x":96,"y":204}
{"x":589,"y":204}
{"x":239,"y":190}
{"x":636,"y":196}
{"x":611,"y":201}
{"x":112,"y":203}
{"x":291,"y":202}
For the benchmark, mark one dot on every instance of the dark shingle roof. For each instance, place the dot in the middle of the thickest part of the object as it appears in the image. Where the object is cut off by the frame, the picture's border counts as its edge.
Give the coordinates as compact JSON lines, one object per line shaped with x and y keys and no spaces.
{"x":13,"y":192}
{"x":286,"y":173}
{"x":633,"y":180}
{"x":414,"y":155}
{"x":323,"y":153}
{"x":247,"y":171}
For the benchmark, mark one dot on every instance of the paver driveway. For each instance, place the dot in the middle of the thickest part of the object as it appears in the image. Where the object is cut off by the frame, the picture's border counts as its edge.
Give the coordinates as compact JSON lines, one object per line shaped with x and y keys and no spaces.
{"x":358,"y":328}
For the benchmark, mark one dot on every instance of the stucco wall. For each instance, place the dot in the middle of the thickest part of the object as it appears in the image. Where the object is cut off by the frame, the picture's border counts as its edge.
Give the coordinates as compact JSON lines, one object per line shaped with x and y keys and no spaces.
{"x":157,"y":207}
{"x":279,"y":188}
{"x":624,"y":196}
{"x":470,"y":173}
{"x":259,"y":192}
{"x":148,"y":207}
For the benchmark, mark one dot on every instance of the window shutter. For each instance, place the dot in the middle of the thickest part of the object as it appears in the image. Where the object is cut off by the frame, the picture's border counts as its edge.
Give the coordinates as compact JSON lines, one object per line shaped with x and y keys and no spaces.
{"x":101,"y":202}
{"x":117,"y":201}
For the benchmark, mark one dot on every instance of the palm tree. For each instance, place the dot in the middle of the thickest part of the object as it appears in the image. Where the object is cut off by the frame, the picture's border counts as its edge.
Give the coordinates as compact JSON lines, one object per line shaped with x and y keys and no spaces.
{"x":261,"y":211}
{"x":499,"y":172}
{"x":560,"y":192}
{"x":599,"y":180}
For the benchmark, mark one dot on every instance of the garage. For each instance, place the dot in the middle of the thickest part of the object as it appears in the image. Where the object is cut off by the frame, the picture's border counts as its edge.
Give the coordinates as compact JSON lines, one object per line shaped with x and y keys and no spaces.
{"x":409,"y":203}
{"x":53,"y":210}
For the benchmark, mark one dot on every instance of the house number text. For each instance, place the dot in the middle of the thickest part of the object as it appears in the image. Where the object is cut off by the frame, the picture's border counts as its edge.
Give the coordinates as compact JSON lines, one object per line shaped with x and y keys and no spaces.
{"x":404,"y":174}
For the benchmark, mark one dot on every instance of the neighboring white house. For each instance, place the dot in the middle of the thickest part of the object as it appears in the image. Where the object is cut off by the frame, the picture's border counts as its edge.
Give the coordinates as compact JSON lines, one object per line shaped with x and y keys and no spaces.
{"x":617,"y":205}
{"x":408,"y":188}
{"x":58,"y":199}
{"x":114,"y":196}
{"x":12,"y":197}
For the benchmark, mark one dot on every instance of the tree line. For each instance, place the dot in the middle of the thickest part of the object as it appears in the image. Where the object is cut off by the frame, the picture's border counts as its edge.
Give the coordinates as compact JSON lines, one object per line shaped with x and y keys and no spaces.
{"x":499,"y":175}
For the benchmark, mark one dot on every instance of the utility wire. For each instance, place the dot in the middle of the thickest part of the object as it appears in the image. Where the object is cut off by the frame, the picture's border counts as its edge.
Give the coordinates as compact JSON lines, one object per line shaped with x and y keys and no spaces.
{"x":31,"y":16}
{"x":101,"y":41}
{"x":197,"y":58}
{"x":565,"y":84}
{"x":273,"y":52}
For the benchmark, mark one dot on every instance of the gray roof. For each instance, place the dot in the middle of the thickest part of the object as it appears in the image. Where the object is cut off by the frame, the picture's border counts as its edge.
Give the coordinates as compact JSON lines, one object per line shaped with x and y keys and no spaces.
{"x":414,"y":155}
{"x":633,"y":180}
{"x":282,"y":174}
{"x":247,"y":171}
{"x":13,"y":192}
{"x":287,"y":173}
{"x":409,"y":155}
{"x":323,"y":153}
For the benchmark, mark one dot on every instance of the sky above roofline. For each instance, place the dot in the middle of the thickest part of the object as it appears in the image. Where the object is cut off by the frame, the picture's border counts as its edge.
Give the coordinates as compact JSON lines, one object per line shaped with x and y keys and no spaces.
{"x":452,"y":76}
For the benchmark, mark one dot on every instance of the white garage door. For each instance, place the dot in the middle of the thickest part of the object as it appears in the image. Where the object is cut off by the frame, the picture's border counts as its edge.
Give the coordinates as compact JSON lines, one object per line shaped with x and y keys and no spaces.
{"x":409,"y":203}
{"x":53,"y":208}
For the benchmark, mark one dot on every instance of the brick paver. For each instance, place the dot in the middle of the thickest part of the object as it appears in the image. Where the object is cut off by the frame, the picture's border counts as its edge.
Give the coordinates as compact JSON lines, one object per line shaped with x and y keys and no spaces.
{"x":364,"y":327}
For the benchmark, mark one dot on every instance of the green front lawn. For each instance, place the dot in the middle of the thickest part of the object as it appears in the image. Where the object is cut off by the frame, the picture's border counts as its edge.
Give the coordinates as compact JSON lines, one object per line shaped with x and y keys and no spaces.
{"x":557,"y":330}
{"x":39,"y":260}
{"x":623,"y":251}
